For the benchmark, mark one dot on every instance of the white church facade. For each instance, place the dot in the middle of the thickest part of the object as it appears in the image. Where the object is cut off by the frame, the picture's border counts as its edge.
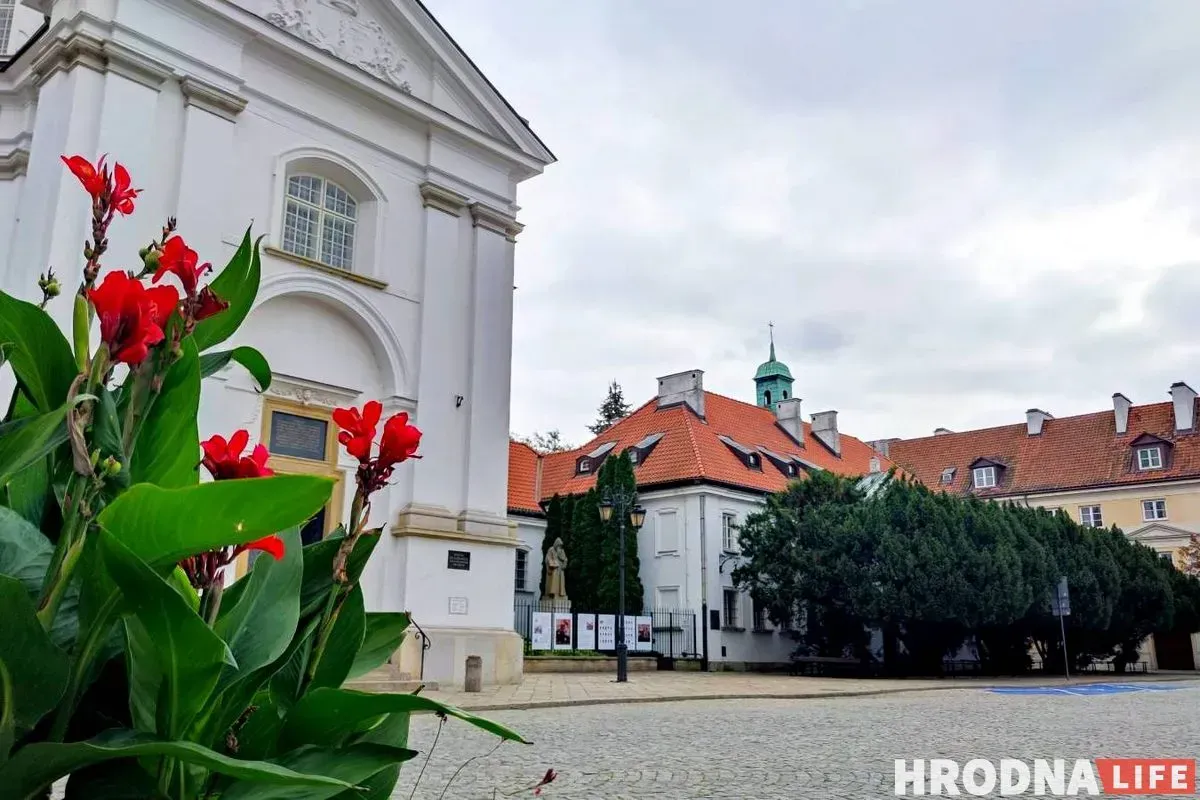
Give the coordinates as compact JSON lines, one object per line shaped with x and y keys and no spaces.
{"x":382,"y":169}
{"x":703,"y":463}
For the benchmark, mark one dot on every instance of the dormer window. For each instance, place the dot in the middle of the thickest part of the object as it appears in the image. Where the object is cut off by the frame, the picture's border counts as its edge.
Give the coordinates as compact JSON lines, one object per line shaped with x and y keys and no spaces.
{"x":638,"y":453}
{"x":948,"y":475}
{"x":744,"y":454}
{"x":984,"y":477}
{"x":1149,"y":457}
{"x":589,"y":462}
{"x":585,"y":465}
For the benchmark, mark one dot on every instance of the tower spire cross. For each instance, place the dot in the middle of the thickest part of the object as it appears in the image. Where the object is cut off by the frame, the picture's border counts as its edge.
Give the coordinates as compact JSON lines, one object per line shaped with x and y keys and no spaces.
{"x":771,"y":326}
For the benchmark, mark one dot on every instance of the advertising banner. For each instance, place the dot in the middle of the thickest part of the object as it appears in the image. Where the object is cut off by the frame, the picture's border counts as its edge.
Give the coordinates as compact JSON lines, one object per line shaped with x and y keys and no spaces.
{"x":585,"y":631}
{"x":606,"y":632}
{"x":644,"y":627}
{"x":564,"y":638}
{"x":539,"y":635}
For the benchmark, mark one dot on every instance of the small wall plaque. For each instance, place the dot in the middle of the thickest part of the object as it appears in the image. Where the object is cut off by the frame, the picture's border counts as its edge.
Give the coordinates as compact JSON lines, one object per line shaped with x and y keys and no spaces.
{"x":458,"y":559}
{"x":458,"y":605}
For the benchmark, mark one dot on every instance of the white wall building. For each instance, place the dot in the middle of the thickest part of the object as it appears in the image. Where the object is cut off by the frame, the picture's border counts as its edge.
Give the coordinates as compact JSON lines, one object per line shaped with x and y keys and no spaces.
{"x":382,"y":168}
{"x":703,"y":463}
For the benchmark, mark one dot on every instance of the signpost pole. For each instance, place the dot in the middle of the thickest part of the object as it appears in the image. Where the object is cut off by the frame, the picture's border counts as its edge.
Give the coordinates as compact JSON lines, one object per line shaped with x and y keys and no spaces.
{"x":1062,"y":607}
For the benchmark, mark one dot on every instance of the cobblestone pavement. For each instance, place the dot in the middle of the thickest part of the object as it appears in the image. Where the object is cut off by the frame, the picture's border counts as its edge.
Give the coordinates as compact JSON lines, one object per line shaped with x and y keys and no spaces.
{"x":545,"y":689}
{"x":759,"y":749}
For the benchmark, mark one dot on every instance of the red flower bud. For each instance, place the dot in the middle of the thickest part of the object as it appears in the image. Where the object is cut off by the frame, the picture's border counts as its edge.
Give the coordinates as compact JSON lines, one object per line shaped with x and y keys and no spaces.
{"x":131,"y":316}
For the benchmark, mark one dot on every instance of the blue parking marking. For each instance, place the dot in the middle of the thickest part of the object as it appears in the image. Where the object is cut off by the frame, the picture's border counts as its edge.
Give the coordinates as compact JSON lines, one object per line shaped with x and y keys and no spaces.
{"x":1086,"y":689}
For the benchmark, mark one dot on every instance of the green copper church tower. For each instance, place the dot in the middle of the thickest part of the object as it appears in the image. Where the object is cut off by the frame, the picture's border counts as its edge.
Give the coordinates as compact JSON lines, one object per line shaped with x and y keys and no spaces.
{"x":773,"y":380}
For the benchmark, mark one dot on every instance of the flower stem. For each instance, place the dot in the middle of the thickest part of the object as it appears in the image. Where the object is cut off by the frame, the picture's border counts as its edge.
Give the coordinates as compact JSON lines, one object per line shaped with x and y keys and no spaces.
{"x":58,"y":587}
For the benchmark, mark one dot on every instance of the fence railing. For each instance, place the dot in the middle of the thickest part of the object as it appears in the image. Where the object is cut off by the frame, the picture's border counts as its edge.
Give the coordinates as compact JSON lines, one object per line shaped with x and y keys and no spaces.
{"x":673,"y":630}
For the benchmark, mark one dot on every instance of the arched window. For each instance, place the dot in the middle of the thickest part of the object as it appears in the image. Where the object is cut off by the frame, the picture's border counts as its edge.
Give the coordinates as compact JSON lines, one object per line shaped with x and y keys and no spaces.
{"x":767,"y":396}
{"x":785,"y":394}
{"x":320,"y":221}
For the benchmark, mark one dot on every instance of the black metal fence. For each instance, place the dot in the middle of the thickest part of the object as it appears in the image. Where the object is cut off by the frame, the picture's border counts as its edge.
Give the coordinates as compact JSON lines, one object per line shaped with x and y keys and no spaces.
{"x":672,"y":630}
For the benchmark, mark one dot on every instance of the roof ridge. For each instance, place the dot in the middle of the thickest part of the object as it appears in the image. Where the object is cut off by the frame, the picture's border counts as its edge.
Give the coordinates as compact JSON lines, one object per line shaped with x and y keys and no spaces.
{"x":690,"y":419}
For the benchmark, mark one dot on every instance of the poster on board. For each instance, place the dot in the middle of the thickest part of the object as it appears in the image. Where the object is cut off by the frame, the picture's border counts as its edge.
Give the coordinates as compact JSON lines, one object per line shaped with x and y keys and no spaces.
{"x":564,"y":638}
{"x":606,"y":632}
{"x":630,"y":633}
{"x":585,"y":631}
{"x":539,"y":635}
{"x":644,"y":626}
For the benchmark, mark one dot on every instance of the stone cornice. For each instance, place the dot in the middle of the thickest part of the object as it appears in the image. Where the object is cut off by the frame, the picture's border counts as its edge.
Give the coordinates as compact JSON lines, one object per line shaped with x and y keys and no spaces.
{"x":443,"y":199}
{"x":78,"y":49}
{"x":495,"y":220}
{"x":211,"y":98}
{"x":135,"y":66}
{"x":14,"y":163}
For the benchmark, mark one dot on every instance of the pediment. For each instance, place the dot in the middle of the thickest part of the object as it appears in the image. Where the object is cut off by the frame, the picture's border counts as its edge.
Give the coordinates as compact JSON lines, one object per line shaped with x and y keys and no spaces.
{"x":987,"y":462}
{"x":400,"y":43}
{"x":1160,"y":533}
{"x":1148,"y":439}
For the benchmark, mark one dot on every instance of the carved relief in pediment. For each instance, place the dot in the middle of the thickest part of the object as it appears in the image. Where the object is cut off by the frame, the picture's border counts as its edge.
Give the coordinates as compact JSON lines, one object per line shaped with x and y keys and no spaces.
{"x":343,"y":29}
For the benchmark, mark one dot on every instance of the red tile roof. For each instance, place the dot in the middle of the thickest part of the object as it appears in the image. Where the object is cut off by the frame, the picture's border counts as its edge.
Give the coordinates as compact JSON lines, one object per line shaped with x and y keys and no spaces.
{"x":690,"y":451}
{"x":1078,"y":452}
{"x":523,"y":470}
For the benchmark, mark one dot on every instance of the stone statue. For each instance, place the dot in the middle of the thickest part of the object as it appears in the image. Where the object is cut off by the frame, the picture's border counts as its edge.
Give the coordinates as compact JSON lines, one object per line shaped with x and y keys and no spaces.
{"x":556,"y":576}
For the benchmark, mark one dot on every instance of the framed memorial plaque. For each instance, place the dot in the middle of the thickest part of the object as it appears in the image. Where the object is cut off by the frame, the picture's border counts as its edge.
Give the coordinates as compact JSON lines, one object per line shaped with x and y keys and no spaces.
{"x":458,"y":559}
{"x":299,"y":437}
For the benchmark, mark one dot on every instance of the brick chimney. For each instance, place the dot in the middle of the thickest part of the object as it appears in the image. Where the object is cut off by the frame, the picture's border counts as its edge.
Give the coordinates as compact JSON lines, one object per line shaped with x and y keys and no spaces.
{"x":883,"y":446}
{"x":1184,"y":399}
{"x":824,"y":427}
{"x":787,"y":416}
{"x":683,"y":387}
{"x":1121,"y":406}
{"x":1035,"y":418}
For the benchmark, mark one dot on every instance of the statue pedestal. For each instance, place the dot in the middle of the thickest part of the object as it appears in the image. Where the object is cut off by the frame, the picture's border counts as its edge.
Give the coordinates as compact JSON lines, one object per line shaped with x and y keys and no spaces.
{"x":559,"y":604}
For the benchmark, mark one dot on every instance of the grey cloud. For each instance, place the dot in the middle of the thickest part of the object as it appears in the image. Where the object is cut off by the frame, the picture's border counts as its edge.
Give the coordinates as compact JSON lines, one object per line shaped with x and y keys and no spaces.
{"x":930,"y":198}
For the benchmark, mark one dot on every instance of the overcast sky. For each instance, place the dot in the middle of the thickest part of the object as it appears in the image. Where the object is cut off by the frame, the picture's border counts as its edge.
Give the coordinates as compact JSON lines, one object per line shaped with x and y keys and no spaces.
{"x":952,"y":211}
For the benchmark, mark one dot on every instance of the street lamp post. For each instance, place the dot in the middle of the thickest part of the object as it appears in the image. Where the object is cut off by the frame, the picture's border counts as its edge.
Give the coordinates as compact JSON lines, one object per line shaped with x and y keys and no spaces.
{"x":623,"y":504}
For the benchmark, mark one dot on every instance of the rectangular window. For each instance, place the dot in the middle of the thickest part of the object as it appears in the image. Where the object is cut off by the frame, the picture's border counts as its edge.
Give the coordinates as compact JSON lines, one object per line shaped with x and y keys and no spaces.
{"x":731,"y":608}
{"x":729,"y":542}
{"x":522,"y":568}
{"x":1154,"y":509}
{"x":1090,"y":516}
{"x":667,"y":597}
{"x":1149,"y":457}
{"x":985,"y":477}
{"x":7,"y":7}
{"x":760,"y":617}
{"x":666,"y":532}
{"x":585,"y":466}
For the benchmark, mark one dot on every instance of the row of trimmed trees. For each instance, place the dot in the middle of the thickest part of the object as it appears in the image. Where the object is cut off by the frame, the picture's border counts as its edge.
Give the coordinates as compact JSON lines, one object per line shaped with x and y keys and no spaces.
{"x":933,"y":572}
{"x":593,"y":546}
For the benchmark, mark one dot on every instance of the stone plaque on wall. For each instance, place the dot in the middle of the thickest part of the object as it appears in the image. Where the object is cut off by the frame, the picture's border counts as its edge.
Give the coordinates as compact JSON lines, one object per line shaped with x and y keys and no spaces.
{"x":297,"y":436}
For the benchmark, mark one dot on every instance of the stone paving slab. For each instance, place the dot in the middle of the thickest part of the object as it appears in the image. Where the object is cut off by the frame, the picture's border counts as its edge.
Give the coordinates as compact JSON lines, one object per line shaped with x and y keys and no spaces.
{"x":551,"y":690}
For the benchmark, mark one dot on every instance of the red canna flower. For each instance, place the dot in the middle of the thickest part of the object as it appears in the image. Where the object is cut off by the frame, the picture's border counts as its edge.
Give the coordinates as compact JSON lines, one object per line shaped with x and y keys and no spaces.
{"x":224,"y":460}
{"x":180,"y":260}
{"x":131,"y":316}
{"x":92,"y":177}
{"x":122,"y":192}
{"x":399,"y":441}
{"x":207,"y":304}
{"x":358,"y":428}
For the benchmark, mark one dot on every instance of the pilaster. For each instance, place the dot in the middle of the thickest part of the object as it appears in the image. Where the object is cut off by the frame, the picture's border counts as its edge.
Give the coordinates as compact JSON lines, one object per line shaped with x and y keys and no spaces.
{"x":491,"y":368}
{"x":442,"y":371}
